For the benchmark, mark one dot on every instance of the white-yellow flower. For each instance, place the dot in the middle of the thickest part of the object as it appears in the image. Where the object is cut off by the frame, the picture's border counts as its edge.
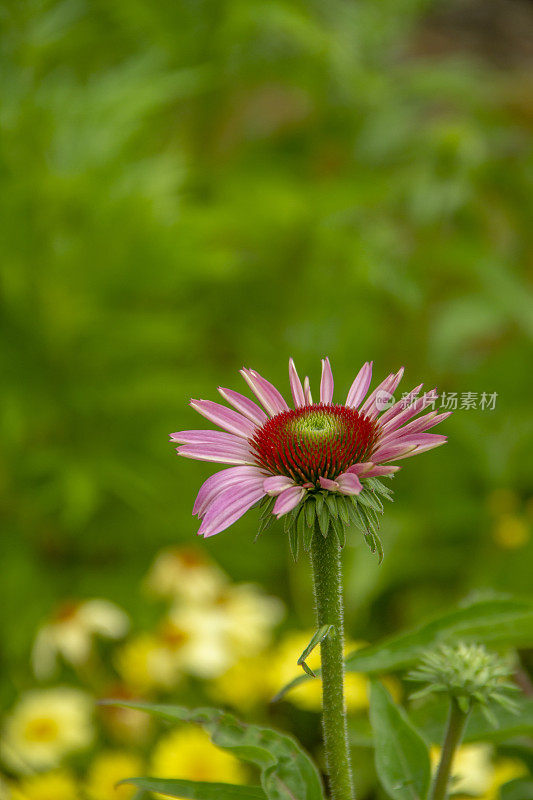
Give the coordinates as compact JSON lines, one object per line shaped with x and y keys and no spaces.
{"x":44,"y":726}
{"x":70,"y":633}
{"x":149,"y":661}
{"x":56,"y":785}
{"x":107,"y":770}
{"x":185,"y":573}
{"x":217,"y":634}
{"x":188,"y":753}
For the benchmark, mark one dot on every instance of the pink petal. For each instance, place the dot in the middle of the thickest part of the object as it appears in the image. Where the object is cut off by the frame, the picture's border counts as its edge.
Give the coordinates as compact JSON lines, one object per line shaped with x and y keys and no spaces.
{"x":288,"y":500}
{"x":382,"y":387}
{"x":222,"y":480}
{"x":326,"y":483}
{"x":414,"y":408}
{"x":225,"y":417}
{"x":420,"y":448}
{"x":416,"y":426}
{"x":221,"y":454}
{"x":265,"y":392}
{"x":423,"y":439}
{"x":307,"y":392}
{"x":384,"y":391}
{"x":359,"y":387}
{"x":243,"y":404}
{"x":349,"y":483}
{"x":326,"y":382}
{"x":361,"y":469}
{"x":383,"y":469}
{"x":229,"y":506}
{"x":391,"y":452}
{"x":206,"y":437}
{"x":277,"y":484}
{"x":401,"y":405}
{"x":296,"y":386}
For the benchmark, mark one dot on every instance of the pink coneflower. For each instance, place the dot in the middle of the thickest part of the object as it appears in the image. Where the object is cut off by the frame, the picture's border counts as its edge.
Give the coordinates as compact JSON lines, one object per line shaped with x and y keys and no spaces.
{"x":313,"y":449}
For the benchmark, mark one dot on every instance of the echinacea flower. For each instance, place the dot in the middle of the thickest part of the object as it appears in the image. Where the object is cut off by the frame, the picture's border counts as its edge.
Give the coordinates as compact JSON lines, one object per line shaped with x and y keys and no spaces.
{"x":314,"y":449}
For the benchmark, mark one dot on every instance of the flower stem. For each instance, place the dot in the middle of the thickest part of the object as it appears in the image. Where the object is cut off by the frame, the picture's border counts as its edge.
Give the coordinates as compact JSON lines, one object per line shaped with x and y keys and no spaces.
{"x":455,"y":727}
{"x":327,"y":578}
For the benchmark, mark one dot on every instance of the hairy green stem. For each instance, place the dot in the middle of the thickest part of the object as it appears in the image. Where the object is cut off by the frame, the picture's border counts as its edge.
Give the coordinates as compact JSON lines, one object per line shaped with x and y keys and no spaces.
{"x":327,"y":578}
{"x":455,"y":728}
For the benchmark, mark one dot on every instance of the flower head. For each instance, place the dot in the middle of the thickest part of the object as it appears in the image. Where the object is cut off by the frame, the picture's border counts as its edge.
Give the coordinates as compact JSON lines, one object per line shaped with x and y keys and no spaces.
{"x":56,"y":785}
{"x":189,"y":753}
{"x":106,"y":772}
{"x":184,"y":573}
{"x":45,"y":726}
{"x":71,"y":630}
{"x":469,"y":673}
{"x":312,"y":450}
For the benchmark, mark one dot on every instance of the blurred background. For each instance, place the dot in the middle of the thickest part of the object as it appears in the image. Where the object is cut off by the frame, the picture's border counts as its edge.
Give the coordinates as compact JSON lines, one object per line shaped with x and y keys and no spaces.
{"x":190,"y":187}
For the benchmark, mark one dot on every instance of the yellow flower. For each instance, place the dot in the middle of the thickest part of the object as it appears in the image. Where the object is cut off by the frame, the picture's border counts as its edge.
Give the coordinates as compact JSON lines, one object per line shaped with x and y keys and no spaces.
{"x":147,"y":661}
{"x":214,"y":636}
{"x":505,"y":769}
{"x":244,"y":685}
{"x":44,"y":726}
{"x":185,"y":573}
{"x":70,"y":633}
{"x":107,"y":770}
{"x":57,"y":785}
{"x":308,"y":695}
{"x":475,"y":772}
{"x":188,"y":753}
{"x":511,"y":532}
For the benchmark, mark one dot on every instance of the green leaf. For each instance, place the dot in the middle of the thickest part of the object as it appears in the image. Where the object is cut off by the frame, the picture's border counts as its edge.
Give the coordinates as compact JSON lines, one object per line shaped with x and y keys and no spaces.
{"x":310,"y":508}
{"x":294,"y":541}
{"x":401,"y":754}
{"x":287,"y":772}
{"x":198,"y":790}
{"x":375,"y":545}
{"x":331,"y":502}
{"x":498,"y":621}
{"x":503,"y":620}
{"x":318,"y":637}
{"x":377,"y":486}
{"x":322,"y":514}
{"x":356,"y":515}
{"x":308,"y":537}
{"x":430,"y":719}
{"x":517,"y":789}
{"x":338,"y":528}
{"x":343,"y":510}
{"x":369,"y":499}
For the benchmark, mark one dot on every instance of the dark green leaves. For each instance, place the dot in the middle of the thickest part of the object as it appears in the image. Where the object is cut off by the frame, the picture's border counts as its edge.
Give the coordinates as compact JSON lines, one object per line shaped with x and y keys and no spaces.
{"x":198,"y":790}
{"x":333,"y":513}
{"x":318,"y":637}
{"x":499,"y":621}
{"x":519,"y":789}
{"x":287,"y":772}
{"x":401,"y":755}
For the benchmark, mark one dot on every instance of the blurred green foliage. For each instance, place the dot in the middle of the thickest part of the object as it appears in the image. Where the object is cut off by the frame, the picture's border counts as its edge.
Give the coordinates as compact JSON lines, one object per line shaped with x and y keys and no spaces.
{"x":188,"y":187}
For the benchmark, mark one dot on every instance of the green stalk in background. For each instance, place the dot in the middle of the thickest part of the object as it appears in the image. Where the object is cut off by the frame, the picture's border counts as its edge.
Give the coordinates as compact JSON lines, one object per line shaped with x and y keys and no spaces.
{"x":455,"y":727}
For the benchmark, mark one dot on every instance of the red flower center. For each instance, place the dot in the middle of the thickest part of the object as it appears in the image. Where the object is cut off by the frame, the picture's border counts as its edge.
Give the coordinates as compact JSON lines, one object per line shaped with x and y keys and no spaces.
{"x":314,"y":441}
